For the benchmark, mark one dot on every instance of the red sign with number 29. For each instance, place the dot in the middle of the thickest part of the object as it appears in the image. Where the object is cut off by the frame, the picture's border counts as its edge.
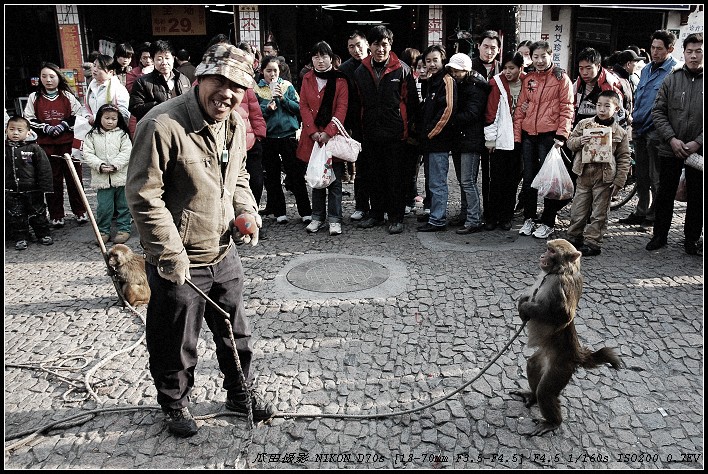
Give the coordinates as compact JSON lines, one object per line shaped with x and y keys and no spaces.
{"x":178,"y":20}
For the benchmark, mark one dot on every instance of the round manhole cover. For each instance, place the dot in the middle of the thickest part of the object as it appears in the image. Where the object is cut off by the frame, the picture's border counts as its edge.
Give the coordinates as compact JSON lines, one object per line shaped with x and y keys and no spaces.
{"x":338,"y":275}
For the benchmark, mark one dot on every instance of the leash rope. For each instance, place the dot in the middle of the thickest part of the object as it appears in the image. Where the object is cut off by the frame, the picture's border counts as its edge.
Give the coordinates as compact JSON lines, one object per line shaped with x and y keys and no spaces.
{"x":86,"y":416}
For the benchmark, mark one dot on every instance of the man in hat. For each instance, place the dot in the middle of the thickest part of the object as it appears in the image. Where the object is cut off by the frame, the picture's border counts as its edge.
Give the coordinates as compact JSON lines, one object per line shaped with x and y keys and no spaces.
{"x":186,"y":181}
{"x":627,"y":62}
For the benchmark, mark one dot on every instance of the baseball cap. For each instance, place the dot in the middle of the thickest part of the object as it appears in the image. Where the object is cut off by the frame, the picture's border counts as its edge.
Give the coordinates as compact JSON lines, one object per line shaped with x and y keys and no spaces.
{"x":627,"y":55}
{"x":460,"y":61}
{"x":229,"y":61}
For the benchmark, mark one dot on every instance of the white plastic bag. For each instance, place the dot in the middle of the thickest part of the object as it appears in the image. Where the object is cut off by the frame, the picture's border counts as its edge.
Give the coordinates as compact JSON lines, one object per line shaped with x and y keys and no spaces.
{"x":681,"y":192}
{"x":553,"y":180}
{"x":319,"y":173}
{"x":695,"y":161}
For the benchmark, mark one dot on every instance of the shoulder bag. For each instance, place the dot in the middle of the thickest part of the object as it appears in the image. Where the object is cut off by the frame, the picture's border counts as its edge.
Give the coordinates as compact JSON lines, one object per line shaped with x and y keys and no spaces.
{"x":343,"y":146}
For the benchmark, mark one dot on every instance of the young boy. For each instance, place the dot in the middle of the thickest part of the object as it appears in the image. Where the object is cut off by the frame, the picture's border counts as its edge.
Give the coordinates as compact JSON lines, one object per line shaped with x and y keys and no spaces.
{"x":597,"y":181}
{"x":28,"y":175}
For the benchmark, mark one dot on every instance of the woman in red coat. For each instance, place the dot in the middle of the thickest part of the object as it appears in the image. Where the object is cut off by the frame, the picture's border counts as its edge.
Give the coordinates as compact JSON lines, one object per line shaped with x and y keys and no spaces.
{"x":324,"y":94}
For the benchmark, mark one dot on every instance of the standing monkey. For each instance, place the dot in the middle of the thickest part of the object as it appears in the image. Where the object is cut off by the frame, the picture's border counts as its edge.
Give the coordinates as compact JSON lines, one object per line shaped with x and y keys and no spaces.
{"x":549,"y":307}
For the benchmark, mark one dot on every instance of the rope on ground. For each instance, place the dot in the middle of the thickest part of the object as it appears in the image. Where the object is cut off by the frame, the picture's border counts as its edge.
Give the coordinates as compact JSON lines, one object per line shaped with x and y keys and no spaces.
{"x":89,"y":374}
{"x":86,"y":416}
{"x":412,"y":410}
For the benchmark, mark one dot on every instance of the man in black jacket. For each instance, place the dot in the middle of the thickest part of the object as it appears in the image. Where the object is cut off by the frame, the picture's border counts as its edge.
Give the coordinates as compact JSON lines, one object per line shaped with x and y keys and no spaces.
{"x":487,"y":66}
{"x":163,"y":83}
{"x":358,"y":48}
{"x":389,"y":99}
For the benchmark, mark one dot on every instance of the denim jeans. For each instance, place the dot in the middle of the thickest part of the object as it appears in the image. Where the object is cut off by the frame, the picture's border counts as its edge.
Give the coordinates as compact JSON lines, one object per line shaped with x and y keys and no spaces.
{"x":469,"y":167}
{"x":439,"y":164}
{"x":456,"y":163}
{"x":332,"y":194}
{"x":646,"y":151}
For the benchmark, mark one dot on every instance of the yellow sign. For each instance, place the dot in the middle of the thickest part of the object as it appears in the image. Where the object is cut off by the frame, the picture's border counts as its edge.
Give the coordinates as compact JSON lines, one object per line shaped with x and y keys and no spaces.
{"x":178,"y":20}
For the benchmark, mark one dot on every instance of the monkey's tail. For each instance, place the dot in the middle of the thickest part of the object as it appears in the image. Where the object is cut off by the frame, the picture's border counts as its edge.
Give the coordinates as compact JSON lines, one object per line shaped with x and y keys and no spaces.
{"x":605,"y":355}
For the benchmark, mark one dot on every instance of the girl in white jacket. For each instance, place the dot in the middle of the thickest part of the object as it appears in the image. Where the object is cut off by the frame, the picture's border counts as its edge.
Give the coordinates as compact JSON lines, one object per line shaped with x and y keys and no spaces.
{"x":504,"y":157}
{"x":107,"y":150}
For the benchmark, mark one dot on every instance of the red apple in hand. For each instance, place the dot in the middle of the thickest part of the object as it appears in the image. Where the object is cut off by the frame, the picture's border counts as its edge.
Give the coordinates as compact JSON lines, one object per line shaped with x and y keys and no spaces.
{"x":246,"y":223}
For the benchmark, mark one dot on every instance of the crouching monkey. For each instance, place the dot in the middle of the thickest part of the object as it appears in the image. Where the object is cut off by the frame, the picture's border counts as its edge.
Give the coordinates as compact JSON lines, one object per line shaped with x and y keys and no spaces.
{"x":549,"y":307}
{"x":130,"y":271}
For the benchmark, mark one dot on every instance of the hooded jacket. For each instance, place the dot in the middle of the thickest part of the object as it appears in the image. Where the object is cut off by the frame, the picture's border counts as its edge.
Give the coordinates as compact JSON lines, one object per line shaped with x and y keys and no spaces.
{"x":439,"y":107}
{"x":472,"y":93}
{"x":678,"y":109}
{"x":27,"y":167}
{"x":549,"y":95}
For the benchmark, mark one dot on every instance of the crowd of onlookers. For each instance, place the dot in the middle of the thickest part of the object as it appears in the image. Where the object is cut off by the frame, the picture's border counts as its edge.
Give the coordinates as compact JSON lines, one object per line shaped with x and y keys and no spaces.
{"x":501,"y":113}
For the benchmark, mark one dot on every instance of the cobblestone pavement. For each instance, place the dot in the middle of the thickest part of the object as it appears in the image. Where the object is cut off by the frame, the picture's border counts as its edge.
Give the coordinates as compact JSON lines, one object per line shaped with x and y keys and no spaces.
{"x":439,"y":308}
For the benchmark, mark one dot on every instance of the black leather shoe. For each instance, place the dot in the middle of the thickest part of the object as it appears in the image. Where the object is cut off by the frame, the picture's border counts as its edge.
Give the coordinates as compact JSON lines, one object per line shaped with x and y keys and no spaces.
{"x":261,"y":409}
{"x":469,"y":230}
{"x":370,"y":222}
{"x":691,"y":247}
{"x":656,"y":243}
{"x":180,"y":422}
{"x":395,"y":228}
{"x":632,"y":219}
{"x":577,"y":242}
{"x":490,"y":225}
{"x":505,"y":225}
{"x":589,"y":251}
{"x":647,"y":223}
{"x":428,"y":227}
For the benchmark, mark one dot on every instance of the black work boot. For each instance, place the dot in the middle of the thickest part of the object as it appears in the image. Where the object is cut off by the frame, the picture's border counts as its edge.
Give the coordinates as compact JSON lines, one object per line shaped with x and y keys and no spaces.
{"x":180,"y":422}
{"x":262,"y":410}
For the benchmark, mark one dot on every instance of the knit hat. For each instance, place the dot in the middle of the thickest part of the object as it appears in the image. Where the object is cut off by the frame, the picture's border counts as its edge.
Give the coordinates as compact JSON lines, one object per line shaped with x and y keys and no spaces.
{"x":460,"y":61}
{"x":228,"y":61}
{"x":627,"y":55}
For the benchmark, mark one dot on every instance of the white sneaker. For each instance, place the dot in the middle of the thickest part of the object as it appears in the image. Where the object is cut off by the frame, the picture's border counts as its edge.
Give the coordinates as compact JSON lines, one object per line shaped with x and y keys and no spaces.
{"x":57,"y":222}
{"x":527,"y":228}
{"x":306,"y":219}
{"x":281,"y":219}
{"x":357,"y":215}
{"x":314,"y":226}
{"x":407,"y":210}
{"x":543,"y":232}
{"x":335,"y":228}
